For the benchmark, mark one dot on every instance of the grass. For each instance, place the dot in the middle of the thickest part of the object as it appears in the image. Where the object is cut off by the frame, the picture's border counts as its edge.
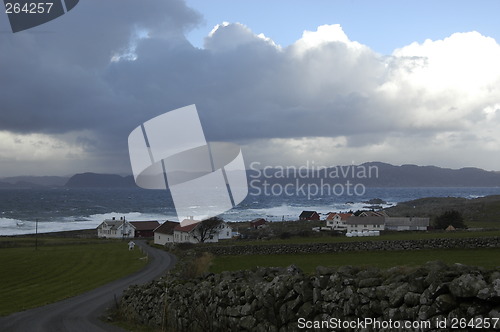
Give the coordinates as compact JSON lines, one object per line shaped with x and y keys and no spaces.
{"x":63,"y":268}
{"x":483,"y":224}
{"x":489,"y":258}
{"x":387,"y":236}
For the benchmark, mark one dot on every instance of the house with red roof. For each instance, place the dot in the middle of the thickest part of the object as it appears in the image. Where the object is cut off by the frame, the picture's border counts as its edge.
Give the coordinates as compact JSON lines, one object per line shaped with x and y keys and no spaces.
{"x":185,"y":234}
{"x":202,"y":232}
{"x":337,"y":221}
{"x":309,"y":215}
{"x":258,"y":223}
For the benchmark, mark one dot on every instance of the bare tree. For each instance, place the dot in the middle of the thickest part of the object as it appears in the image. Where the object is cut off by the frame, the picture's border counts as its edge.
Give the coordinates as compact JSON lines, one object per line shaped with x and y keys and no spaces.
{"x":207,"y":228}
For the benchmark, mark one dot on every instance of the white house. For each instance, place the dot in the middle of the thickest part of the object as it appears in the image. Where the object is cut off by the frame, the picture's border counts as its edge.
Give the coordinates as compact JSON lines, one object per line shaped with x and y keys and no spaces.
{"x":364,"y":224}
{"x":337,"y":221}
{"x":224,"y":231}
{"x":406,"y":224}
{"x":185,"y":234}
{"x":116,"y":229}
{"x":164,"y":233}
{"x":192,"y":233}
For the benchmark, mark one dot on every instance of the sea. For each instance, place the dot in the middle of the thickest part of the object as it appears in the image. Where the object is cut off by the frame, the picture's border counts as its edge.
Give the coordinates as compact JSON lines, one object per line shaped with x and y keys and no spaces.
{"x":26,"y":211}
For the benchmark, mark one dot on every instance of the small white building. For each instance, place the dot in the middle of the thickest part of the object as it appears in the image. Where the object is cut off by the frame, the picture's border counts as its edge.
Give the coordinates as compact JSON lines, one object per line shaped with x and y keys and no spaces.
{"x":365,"y":224}
{"x":115,"y":229}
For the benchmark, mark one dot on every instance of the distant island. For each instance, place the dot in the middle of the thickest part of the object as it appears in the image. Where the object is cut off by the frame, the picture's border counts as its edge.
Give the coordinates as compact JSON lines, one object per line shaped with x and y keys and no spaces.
{"x":94,"y":180}
{"x":387,"y":175}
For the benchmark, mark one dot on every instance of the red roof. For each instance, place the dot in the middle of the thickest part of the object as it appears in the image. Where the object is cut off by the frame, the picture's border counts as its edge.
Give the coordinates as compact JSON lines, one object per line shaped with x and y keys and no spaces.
{"x":187,"y":228}
{"x":145,"y":225}
{"x":258,"y":222}
{"x":343,"y":216}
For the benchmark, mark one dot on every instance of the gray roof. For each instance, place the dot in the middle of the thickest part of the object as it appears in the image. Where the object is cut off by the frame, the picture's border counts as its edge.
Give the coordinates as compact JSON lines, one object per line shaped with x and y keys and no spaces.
{"x":396,"y":221}
{"x":353,"y":220}
{"x":114,"y":224}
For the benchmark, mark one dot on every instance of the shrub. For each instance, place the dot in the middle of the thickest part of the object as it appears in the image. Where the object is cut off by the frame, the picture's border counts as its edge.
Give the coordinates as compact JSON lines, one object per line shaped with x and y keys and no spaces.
{"x":451,"y":217}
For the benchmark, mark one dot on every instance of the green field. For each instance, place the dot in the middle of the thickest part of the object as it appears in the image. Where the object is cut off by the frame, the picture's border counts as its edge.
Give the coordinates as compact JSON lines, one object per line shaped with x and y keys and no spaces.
{"x":489,"y":258}
{"x":60,"y":268}
{"x":342,"y":238}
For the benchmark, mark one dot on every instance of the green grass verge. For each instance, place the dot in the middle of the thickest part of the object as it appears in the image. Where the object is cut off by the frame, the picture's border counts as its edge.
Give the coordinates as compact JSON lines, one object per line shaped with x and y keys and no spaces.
{"x":308,"y":262}
{"x":31,"y":278}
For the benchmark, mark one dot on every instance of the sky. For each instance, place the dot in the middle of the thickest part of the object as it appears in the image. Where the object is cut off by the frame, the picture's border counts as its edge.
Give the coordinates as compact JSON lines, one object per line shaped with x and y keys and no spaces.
{"x":291,"y":82}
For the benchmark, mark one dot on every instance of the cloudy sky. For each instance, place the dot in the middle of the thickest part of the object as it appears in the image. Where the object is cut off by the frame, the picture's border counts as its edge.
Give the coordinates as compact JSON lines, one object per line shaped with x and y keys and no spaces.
{"x":330,"y":82}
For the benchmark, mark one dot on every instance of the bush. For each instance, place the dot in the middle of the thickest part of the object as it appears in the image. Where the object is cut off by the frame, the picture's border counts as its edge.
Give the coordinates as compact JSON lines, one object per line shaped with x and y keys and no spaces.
{"x":192,"y":266}
{"x":452,"y":217}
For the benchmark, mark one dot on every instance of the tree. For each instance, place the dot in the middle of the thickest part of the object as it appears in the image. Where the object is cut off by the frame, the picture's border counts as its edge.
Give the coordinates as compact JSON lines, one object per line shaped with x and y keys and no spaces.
{"x":451,"y":217}
{"x":207,"y":228}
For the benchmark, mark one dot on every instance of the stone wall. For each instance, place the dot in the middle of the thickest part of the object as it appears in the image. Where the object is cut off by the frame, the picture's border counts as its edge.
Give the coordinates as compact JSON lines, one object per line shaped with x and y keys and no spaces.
{"x":304,"y":248}
{"x":273,"y":299}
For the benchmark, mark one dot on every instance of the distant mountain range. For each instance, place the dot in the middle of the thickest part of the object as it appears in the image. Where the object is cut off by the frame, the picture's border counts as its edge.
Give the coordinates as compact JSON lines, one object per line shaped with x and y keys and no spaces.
{"x":373,"y":174}
{"x":377,"y":174}
{"x":430,"y":176}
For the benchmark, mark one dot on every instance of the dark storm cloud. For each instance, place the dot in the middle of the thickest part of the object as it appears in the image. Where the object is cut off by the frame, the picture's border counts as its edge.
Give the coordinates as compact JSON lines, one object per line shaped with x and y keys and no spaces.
{"x":52,"y":76}
{"x":92,"y":75}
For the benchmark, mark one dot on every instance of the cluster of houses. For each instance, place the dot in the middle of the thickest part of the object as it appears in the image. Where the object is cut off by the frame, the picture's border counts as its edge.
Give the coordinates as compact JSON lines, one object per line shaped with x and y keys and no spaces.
{"x":196,"y":231}
{"x":367,"y":221}
{"x":187,"y":231}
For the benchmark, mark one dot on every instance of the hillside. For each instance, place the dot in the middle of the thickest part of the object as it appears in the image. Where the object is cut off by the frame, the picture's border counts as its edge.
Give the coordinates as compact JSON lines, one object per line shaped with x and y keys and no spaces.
{"x":483,"y":209}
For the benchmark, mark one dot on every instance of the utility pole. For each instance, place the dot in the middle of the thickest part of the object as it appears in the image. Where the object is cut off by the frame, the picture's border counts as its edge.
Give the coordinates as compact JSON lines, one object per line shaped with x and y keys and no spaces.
{"x":36,"y":234}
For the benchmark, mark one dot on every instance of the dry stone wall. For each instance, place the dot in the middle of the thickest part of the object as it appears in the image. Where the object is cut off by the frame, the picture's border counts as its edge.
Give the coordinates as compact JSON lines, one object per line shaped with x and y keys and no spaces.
{"x":304,"y":248}
{"x":275,"y":299}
